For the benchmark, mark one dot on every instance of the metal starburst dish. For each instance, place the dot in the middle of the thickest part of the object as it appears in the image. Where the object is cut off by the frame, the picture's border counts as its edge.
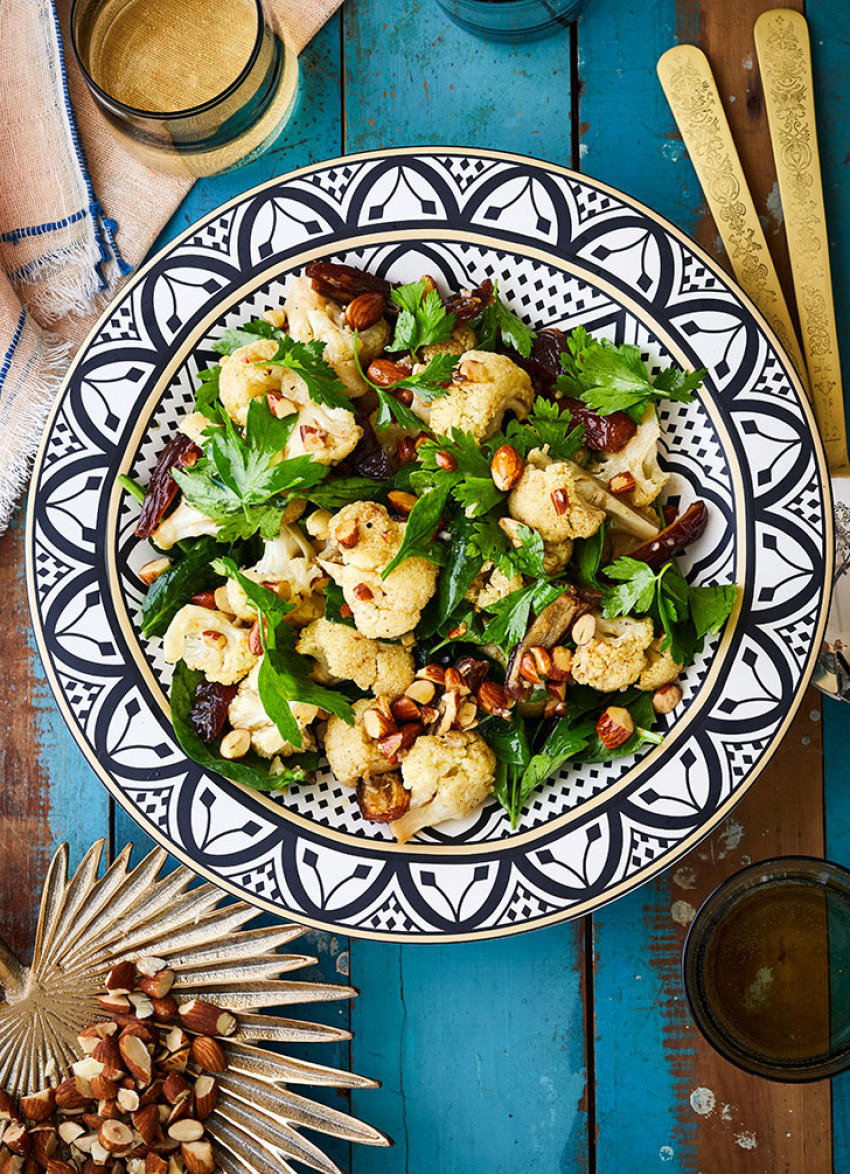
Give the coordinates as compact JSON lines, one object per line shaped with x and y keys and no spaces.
{"x":88,"y":924}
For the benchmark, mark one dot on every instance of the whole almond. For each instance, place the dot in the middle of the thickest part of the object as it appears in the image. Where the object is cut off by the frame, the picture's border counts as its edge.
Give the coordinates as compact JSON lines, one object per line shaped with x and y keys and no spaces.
{"x":198,"y":1156}
{"x":39,"y":1106}
{"x":385,"y":372}
{"x":136,"y":1058}
{"x":122,"y":978}
{"x":506,"y":467}
{"x":364,"y":311}
{"x":206,"y":1018}
{"x":208,"y":1054}
{"x":206,"y":1096}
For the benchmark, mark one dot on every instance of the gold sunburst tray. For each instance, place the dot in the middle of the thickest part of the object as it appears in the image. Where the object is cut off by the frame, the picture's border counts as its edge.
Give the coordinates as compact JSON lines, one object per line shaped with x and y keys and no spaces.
{"x":87,"y":924}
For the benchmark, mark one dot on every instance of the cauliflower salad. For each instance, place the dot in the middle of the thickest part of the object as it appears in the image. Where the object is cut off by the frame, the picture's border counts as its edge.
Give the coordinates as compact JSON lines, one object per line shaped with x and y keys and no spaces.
{"x":406,"y":530}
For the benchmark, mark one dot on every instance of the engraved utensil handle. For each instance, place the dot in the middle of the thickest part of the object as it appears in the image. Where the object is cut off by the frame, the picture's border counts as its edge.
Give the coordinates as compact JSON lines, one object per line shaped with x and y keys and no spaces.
{"x":690,"y":89}
{"x":784,"y":55}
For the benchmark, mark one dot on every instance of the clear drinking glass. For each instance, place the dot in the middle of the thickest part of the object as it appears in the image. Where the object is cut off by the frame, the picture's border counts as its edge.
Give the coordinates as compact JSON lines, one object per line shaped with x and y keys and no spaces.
{"x":513,"y":20}
{"x":766,"y":967}
{"x":193,"y":87}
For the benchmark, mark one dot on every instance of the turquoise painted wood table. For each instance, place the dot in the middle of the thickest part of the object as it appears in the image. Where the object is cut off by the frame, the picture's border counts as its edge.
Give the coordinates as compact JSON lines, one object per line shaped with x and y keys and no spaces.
{"x":570,"y":1049}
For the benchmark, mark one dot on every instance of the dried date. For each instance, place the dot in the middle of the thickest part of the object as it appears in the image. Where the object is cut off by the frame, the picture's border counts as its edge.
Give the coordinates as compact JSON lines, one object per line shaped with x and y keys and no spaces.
{"x":368,"y":459}
{"x":343,"y":283}
{"x":473,"y":671}
{"x":670,"y":541}
{"x":469,"y":303}
{"x":605,"y":433}
{"x":382,"y":798}
{"x":209,"y":709}
{"x":180,"y":453}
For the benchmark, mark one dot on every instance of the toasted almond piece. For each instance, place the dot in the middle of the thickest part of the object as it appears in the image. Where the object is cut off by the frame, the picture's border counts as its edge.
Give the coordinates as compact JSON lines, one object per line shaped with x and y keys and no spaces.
{"x":206,"y":1095}
{"x":57,"y":1166}
{"x":146,"y":1121}
{"x":136,"y":1058}
{"x":615,"y":726}
{"x":405,"y":709}
{"x":467,"y":715}
{"x":17,"y":1139}
{"x":206,"y":1018}
{"x":89,"y":1039}
{"x":121,"y":978}
{"x":175,"y":1087}
{"x":40,"y":1105}
{"x":584,"y":629}
{"x":157,"y":986}
{"x":154,"y":1164}
{"x":390,"y":745}
{"x":107,"y":1052}
{"x":103,"y":1089}
{"x":422,"y":690}
{"x":562,"y":663}
{"x":86,"y":1141}
{"x":44,"y":1139}
{"x":114,"y":1135}
{"x":621,"y":483}
{"x":402,"y":502}
{"x":449,"y":705}
{"x":128,"y":1099}
{"x":528,"y":668}
{"x":472,"y":369}
{"x":150,"y":964}
{"x":198,"y":1156}
{"x":114,"y":1004}
{"x":165,"y":1010}
{"x":177,"y":1039}
{"x":68,"y":1095}
{"x":455,"y":682}
{"x":188,"y":1129}
{"x":177,"y":1061}
{"x":446,"y":460}
{"x":235,"y":744}
{"x":560,"y":501}
{"x":542,"y":659}
{"x":665,"y":699}
{"x":493,"y":699}
{"x":432,"y":672}
{"x":377,"y":725}
{"x":348,"y":535}
{"x":141,"y":1005}
{"x":208,"y":1054}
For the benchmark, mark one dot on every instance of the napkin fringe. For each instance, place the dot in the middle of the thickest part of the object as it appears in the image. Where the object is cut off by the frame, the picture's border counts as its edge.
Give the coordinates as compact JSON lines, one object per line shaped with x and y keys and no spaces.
{"x":70,"y":280}
{"x":29,"y":382}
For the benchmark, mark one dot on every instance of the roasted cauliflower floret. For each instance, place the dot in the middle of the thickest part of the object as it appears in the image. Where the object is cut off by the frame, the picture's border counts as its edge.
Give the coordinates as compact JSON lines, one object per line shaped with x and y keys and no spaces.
{"x":462,"y":340}
{"x":615,"y":657}
{"x":490,"y":585}
{"x":548,"y":498}
{"x":241,"y":380}
{"x":184,"y":522}
{"x":209,"y":641}
{"x":326,"y":434}
{"x":341,"y":653}
{"x":448,"y":775}
{"x":639,"y":458}
{"x":194,"y":426}
{"x":490,"y":385}
{"x":363,"y":541}
{"x":350,"y":752}
{"x":310,"y":316}
{"x":660,"y":669}
{"x":290,"y":563}
{"x":246,"y":713}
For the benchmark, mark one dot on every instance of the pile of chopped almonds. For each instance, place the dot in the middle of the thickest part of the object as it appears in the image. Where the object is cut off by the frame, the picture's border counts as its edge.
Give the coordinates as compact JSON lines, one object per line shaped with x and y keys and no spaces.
{"x":138,"y":1100}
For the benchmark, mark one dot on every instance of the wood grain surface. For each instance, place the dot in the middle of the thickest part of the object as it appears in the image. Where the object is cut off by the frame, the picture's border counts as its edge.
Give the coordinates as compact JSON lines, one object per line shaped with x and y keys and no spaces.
{"x":571,"y":1049}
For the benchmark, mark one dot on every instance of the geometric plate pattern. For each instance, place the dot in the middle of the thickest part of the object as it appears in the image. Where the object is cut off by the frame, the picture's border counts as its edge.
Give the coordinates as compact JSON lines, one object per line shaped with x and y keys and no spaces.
{"x":566,"y":250}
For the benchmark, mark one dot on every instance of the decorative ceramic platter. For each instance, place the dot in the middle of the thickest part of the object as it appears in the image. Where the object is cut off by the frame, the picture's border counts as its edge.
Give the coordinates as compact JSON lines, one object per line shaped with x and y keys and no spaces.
{"x":566,"y":250}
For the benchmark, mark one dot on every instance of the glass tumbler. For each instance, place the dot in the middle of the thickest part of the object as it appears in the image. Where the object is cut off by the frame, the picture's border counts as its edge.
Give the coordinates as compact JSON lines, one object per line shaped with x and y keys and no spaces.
{"x":513,"y":20}
{"x":766,"y":967}
{"x":192,"y":87}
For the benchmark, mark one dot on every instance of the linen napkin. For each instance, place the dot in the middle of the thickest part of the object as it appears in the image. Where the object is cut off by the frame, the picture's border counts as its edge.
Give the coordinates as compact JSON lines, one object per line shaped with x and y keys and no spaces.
{"x":77,"y":213}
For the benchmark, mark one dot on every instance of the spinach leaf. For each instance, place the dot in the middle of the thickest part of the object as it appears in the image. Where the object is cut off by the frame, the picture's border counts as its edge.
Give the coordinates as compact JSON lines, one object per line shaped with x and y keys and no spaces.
{"x":334,"y":603}
{"x":176,"y":586}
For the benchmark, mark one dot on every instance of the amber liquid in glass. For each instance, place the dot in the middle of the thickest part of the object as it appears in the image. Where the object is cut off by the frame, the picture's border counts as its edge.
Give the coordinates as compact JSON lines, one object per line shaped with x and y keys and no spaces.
{"x":775,"y":971}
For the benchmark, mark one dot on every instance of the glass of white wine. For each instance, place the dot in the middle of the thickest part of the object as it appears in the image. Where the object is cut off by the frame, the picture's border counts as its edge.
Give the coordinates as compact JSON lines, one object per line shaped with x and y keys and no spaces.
{"x":192,"y":87}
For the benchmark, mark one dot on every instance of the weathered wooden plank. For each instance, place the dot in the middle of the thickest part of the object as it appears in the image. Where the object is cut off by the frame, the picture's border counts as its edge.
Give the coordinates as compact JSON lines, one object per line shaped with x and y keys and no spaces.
{"x":687,"y":1106}
{"x":831,"y":61}
{"x":482,"y":1058}
{"x":48,"y":793}
{"x":490,"y":1074}
{"x":413,"y":77}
